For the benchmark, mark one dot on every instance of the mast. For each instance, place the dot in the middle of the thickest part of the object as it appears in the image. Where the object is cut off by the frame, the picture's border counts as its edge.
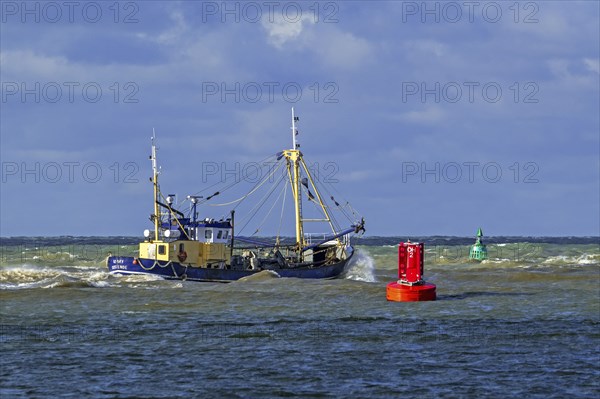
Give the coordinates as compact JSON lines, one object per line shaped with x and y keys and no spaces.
{"x":294,"y":158}
{"x":155,"y":184}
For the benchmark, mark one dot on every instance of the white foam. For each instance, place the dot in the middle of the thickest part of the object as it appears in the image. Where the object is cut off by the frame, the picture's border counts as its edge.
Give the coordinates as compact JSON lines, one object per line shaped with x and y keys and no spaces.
{"x":496,"y":260}
{"x":556,"y":259}
{"x":585,"y":259}
{"x":361,"y":267}
{"x":100,"y":284}
{"x":137,"y":278}
{"x":33,"y":276}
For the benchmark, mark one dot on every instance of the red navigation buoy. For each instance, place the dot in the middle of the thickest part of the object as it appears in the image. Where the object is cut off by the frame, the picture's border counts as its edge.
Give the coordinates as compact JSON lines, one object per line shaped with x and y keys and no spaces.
{"x":410,"y":286}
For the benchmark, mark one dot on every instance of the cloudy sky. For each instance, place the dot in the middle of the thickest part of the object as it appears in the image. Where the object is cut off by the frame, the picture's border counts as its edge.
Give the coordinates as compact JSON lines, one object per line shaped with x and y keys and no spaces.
{"x":430,"y":117}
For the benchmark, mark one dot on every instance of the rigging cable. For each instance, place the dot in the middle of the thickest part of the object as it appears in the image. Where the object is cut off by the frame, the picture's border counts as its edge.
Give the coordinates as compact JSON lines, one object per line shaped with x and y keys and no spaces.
{"x":281,"y":216}
{"x":341,"y":208}
{"x":260,"y":204}
{"x":264,"y":161}
{"x":251,"y":192}
{"x":270,"y":210}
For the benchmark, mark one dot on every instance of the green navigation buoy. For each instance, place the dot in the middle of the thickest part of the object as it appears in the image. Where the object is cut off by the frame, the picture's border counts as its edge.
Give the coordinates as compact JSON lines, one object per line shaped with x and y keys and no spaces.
{"x":478,"y":250}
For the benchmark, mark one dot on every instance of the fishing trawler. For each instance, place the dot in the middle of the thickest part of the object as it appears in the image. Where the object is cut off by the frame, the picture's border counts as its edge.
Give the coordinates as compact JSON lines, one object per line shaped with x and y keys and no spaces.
{"x":185,"y":247}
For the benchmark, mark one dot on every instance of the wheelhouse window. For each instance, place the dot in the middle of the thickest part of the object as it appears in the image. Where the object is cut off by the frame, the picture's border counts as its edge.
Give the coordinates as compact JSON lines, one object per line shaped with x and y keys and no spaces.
{"x":208,"y":234}
{"x":220,"y":234}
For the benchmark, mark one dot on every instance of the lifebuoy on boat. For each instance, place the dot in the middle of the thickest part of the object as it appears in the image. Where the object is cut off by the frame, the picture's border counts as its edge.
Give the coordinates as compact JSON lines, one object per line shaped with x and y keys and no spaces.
{"x":182,"y":256}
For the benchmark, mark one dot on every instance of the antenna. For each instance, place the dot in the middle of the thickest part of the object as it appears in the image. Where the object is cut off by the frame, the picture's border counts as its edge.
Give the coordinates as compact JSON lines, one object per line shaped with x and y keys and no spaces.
{"x":294,"y":131}
{"x":155,"y":185}
{"x":154,"y":167}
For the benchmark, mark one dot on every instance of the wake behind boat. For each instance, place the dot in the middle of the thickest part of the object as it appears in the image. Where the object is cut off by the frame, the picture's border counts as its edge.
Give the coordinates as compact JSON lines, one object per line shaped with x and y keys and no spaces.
{"x":182,"y":246}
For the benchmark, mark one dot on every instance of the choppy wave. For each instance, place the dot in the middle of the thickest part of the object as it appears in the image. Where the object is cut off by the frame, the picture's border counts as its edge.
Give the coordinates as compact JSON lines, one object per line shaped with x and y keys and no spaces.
{"x":361,"y":267}
{"x":508,"y":255}
{"x":83,"y":265}
{"x":260,"y":276}
{"x":37,"y":276}
{"x":583,"y":259}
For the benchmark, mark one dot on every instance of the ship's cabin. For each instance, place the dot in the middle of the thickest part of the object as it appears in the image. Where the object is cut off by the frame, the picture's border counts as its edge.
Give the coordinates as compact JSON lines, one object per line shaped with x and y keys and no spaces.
{"x":200,"y":243}
{"x":210,"y":231}
{"x":207,"y":231}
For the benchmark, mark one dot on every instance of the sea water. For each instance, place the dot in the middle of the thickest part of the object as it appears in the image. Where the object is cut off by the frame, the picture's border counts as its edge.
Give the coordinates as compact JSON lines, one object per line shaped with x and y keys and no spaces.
{"x":525,"y":323}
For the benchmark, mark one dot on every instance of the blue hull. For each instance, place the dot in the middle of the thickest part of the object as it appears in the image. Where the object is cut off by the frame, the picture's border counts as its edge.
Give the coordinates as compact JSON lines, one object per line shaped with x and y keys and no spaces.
{"x":175,"y":271}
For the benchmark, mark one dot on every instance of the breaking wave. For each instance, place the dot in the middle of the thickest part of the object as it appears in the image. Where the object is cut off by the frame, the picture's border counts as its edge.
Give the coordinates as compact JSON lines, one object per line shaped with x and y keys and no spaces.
{"x":361,"y":267}
{"x":584,"y":259}
{"x":34,"y":276}
{"x":260,"y":276}
{"x":37,"y":276}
